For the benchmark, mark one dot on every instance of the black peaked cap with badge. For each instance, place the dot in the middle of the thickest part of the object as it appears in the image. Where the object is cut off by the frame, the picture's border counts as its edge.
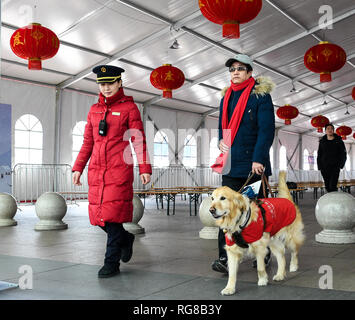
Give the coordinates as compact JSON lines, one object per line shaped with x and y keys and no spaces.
{"x":107,"y":73}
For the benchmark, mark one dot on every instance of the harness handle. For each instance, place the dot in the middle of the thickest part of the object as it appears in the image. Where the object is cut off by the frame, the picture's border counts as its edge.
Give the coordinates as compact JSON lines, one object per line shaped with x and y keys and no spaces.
{"x":264,"y":182}
{"x":251,"y":174}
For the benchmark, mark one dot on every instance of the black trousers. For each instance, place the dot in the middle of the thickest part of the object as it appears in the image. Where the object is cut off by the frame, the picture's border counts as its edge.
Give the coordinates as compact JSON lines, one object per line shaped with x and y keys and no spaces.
{"x":117,"y":237}
{"x":235,"y":184}
{"x":330,"y":176}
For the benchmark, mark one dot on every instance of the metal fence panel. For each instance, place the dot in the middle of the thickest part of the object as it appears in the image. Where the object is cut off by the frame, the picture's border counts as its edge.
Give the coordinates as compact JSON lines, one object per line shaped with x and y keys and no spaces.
{"x":29,"y":181}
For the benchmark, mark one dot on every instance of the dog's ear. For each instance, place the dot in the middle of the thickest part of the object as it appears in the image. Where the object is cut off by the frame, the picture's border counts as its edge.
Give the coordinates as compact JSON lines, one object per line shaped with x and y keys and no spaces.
{"x":239,"y":201}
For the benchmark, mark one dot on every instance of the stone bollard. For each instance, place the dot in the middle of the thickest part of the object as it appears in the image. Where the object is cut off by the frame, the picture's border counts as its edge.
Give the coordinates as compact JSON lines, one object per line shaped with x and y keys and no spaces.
{"x":138,"y":210}
{"x":8,"y":209}
{"x":210,"y":231}
{"x":51,"y":209}
{"x":335,"y":212}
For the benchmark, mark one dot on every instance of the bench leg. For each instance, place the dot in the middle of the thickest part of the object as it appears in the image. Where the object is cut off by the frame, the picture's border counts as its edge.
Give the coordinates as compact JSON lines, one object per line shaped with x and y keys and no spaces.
{"x":173,"y":204}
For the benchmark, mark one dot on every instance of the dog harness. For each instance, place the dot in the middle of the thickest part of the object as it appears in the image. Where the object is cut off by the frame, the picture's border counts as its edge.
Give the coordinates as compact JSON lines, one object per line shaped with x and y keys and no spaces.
{"x":274,"y":214}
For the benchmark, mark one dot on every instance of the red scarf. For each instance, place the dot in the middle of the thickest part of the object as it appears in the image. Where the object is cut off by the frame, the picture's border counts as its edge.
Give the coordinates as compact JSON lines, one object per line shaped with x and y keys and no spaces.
{"x":230,"y":129}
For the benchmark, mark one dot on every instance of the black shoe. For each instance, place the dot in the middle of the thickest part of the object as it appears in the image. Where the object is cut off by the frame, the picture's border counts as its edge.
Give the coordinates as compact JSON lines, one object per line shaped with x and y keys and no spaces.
{"x":267,"y":260}
{"x":108,"y":271}
{"x":127,"y":251}
{"x":220,"y":265}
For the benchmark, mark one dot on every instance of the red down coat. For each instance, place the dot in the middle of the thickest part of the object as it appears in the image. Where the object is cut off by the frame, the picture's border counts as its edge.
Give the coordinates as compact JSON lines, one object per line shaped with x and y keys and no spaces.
{"x":110,"y":174}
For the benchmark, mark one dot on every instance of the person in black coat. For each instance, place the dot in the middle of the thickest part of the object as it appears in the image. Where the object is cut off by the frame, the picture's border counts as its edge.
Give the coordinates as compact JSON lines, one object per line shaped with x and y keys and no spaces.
{"x":331,"y":157}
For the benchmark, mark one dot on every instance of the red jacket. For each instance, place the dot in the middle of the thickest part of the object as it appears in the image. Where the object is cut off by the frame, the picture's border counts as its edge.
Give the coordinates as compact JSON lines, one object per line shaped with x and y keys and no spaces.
{"x":110,"y":174}
{"x":279,"y":213}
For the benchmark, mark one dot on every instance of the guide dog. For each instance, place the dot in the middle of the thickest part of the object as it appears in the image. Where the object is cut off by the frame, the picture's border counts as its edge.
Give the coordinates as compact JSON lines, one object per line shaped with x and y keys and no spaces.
{"x":252,"y":226}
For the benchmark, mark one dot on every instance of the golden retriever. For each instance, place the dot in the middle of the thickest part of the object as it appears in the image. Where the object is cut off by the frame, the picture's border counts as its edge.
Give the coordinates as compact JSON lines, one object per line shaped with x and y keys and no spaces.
{"x":230,"y":209}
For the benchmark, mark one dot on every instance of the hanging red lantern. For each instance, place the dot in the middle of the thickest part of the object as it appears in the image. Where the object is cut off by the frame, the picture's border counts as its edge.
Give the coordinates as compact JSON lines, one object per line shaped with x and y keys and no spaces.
{"x":325,"y":58}
{"x":353,"y":93}
{"x":343,"y":131}
{"x":354,"y":135}
{"x":287,"y":113}
{"x":167,"y":78}
{"x":319,"y":122}
{"x":34,"y":43}
{"x":230,"y":14}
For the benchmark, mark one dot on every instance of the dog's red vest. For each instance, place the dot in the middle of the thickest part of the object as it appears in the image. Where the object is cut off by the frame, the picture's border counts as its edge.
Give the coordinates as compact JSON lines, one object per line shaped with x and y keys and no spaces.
{"x":279,"y":213}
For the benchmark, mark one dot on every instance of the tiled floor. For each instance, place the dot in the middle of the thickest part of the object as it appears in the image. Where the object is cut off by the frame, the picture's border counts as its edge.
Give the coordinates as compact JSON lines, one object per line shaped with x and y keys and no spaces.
{"x":170,"y":261}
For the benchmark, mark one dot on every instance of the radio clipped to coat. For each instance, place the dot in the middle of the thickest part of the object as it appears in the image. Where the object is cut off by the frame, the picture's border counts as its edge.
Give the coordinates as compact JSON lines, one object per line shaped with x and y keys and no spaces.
{"x":103,"y":126}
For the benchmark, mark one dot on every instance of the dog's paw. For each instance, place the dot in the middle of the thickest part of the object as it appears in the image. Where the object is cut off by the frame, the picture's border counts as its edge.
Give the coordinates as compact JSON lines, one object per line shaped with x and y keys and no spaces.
{"x":293,"y":268}
{"x":227,"y":291}
{"x":278,"y":277}
{"x":262,"y":282}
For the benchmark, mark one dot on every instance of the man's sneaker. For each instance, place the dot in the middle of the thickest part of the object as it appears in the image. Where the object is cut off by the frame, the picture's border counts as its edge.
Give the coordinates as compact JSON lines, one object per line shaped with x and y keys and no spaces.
{"x":220,"y":265}
{"x":127,"y":251}
{"x":267,"y":259}
{"x":108,"y":271}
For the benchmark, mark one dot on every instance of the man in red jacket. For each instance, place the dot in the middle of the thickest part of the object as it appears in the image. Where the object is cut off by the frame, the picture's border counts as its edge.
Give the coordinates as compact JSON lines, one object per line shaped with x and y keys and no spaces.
{"x":111,"y":122}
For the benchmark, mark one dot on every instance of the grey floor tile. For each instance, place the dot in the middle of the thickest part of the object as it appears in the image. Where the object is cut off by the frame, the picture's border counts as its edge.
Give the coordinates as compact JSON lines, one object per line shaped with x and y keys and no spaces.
{"x":10,"y":266}
{"x":81,"y":282}
{"x":209,"y":289}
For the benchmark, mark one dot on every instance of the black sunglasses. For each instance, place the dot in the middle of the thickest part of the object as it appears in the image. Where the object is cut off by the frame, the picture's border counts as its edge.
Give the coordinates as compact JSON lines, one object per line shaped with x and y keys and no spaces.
{"x":239,"y":68}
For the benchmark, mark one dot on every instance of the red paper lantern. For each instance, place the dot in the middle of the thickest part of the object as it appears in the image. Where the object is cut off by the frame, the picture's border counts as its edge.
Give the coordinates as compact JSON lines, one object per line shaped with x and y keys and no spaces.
{"x":353,"y":93}
{"x":325,"y":58}
{"x":319,"y":122}
{"x":343,"y":131}
{"x":287,"y":113}
{"x":354,"y":135}
{"x":34,"y":43}
{"x":230,"y":14}
{"x":167,"y":78}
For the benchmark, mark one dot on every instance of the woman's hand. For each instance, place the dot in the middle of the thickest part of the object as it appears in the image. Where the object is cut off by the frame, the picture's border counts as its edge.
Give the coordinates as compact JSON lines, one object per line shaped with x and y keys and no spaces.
{"x":145,"y":178}
{"x":76,"y":178}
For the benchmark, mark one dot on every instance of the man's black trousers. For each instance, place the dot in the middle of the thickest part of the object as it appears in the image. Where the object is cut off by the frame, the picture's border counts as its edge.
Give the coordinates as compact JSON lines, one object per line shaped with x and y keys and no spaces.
{"x":331,"y":176}
{"x":117,"y":237}
{"x":235,"y":184}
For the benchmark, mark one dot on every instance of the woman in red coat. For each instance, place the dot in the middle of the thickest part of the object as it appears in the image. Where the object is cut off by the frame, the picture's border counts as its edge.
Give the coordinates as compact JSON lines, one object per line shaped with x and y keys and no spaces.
{"x":110,"y":124}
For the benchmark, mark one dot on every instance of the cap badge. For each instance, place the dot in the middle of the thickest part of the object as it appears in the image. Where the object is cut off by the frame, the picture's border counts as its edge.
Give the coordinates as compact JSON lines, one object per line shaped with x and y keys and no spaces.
{"x":103,"y":69}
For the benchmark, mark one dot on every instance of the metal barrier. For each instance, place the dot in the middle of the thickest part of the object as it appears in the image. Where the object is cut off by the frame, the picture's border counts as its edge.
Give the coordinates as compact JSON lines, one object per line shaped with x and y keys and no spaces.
{"x":29,"y":181}
{"x":32,"y":180}
{"x":173,"y":177}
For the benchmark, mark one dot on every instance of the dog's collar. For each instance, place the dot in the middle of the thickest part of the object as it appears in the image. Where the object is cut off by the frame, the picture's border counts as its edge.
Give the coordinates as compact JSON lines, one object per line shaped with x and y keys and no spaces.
{"x":237,"y":237}
{"x":247,"y":218}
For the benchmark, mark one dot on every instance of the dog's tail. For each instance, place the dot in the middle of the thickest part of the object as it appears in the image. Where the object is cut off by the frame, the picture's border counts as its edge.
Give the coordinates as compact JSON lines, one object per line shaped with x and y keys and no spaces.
{"x":283,"y":191}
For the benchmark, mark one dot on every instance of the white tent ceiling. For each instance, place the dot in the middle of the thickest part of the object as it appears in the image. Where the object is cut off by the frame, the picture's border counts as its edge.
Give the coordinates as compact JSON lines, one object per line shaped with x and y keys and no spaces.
{"x":137,"y":34}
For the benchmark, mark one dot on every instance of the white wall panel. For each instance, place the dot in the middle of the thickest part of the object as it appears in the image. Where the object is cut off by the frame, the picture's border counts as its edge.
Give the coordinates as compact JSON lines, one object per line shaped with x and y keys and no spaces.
{"x":34,"y":99}
{"x":74,"y":108}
